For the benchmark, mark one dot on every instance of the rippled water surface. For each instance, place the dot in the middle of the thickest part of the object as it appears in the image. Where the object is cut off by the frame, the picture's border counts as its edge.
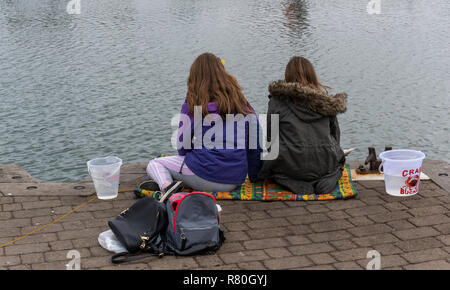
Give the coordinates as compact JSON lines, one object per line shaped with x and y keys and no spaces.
{"x":107,"y":81}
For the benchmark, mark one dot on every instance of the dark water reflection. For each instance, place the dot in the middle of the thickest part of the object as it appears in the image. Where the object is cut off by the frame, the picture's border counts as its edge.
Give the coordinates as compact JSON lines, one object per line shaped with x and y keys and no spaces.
{"x":107,"y":81}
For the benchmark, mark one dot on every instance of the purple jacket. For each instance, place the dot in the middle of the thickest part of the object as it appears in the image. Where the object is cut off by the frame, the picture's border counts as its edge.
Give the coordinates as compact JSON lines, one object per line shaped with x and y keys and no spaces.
{"x":228,"y":164}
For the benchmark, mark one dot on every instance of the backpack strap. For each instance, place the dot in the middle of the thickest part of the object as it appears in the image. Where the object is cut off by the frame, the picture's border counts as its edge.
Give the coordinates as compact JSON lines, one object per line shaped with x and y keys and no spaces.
{"x":126,"y":257}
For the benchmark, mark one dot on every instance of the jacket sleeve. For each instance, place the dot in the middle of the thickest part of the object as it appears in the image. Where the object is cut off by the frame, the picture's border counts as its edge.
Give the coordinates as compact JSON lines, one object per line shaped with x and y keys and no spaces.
{"x":254,"y":162}
{"x":184,"y":111}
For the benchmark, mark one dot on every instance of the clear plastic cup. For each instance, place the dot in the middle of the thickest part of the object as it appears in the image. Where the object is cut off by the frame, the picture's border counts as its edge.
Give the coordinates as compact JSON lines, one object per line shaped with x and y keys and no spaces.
{"x":105,"y":173}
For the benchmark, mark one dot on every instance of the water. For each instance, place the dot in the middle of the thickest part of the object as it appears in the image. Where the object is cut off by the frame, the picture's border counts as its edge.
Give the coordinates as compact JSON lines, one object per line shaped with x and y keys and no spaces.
{"x":107,"y":81}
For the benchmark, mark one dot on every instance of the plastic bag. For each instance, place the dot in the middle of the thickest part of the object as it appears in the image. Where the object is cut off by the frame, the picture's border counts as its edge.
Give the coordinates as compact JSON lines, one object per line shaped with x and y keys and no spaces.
{"x":109,"y":242}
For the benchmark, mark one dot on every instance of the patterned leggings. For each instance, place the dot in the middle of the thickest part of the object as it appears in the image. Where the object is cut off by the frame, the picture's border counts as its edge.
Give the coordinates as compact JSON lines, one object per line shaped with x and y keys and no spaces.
{"x":164,"y":170}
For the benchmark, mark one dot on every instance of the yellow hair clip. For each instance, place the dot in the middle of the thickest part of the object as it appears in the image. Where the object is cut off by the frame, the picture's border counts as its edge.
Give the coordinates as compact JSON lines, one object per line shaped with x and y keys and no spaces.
{"x":222,"y":61}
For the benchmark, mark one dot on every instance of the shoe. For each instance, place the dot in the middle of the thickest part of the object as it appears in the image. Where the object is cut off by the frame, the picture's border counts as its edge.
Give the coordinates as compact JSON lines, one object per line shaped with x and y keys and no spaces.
{"x":149,"y":185}
{"x":174,"y":187}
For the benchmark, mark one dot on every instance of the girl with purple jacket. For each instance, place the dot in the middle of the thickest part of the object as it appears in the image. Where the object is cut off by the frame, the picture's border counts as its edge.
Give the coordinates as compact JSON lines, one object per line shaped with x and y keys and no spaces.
{"x":213,"y":94}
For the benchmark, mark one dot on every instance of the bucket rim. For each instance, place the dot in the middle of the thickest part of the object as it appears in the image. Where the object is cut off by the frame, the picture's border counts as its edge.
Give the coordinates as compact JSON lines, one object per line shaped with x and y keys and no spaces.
{"x":89,"y":163}
{"x":402,"y":150}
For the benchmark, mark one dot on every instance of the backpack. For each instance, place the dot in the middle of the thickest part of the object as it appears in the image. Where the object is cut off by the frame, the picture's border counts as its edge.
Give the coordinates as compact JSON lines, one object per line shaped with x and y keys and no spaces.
{"x":188,"y":224}
{"x":193,"y":226}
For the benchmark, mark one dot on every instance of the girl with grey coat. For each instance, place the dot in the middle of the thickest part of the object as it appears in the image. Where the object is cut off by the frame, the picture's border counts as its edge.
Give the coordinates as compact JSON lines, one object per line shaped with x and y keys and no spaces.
{"x":310,"y":159}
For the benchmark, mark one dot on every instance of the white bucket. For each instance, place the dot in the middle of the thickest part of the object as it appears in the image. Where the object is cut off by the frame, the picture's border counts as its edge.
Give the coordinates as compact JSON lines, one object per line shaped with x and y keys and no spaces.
{"x":401,"y":170}
{"x":105,"y":173}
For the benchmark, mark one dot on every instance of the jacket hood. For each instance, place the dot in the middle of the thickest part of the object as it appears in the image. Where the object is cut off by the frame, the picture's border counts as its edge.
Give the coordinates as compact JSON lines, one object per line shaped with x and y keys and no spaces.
{"x":313,"y":100}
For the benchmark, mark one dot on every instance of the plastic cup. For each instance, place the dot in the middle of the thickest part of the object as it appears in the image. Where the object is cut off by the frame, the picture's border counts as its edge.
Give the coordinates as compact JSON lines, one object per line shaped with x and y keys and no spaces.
{"x":105,"y":173}
{"x":401,"y":170}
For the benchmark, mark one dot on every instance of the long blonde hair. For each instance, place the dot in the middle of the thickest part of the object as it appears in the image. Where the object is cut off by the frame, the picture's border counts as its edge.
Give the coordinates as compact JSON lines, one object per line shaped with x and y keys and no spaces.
{"x":208,"y":81}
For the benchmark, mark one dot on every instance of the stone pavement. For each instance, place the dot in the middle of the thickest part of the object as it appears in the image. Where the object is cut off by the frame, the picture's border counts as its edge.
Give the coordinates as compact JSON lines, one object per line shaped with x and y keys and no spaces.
{"x":409,"y":233}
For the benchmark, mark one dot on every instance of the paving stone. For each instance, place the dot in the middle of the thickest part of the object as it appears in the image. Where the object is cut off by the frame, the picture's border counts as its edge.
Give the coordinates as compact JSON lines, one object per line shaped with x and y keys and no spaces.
{"x":310,"y":249}
{"x":267,"y":223}
{"x":269,"y":233}
{"x":284,"y":212}
{"x":287,"y":263}
{"x":430,"y":220}
{"x":419,"y":244}
{"x":62,"y":255}
{"x":12,"y":207}
{"x":430,"y":210}
{"x":278,"y":252}
{"x":395,"y":206}
{"x":386,"y":262}
{"x":318,"y":267}
{"x":41,"y":204}
{"x":60,"y":265}
{"x":370,"y":230}
{"x":265,"y":243}
{"x":298,"y":240}
{"x":99,"y":252}
{"x":329,"y":236}
{"x":375,"y":239}
{"x":34,"y":258}
{"x":27,"y":248}
{"x":307,"y":219}
{"x":317,"y":208}
{"x":330,"y":226}
{"x":235,"y":217}
{"x":9,"y":261}
{"x":416,"y":233}
{"x":252,"y":266}
{"x":345,"y":204}
{"x":388,"y":217}
{"x":443,"y":228}
{"x":230,"y":247}
{"x":132,"y":266}
{"x":14,"y":223}
{"x":237,"y":236}
{"x":322,"y":258}
{"x":243,"y":256}
{"x":431,"y":265}
{"x":421,"y":202}
{"x":236,"y":226}
{"x":343,"y":245}
{"x":408,"y":232}
{"x":347,"y":266}
{"x":351,"y":254}
{"x":400,"y":225}
{"x":95,"y":262}
{"x":361,"y":221}
{"x":209,"y":261}
{"x":337,"y":215}
{"x":255,"y":215}
{"x":368,"y":210}
{"x":425,"y":255}
{"x":445,"y":239}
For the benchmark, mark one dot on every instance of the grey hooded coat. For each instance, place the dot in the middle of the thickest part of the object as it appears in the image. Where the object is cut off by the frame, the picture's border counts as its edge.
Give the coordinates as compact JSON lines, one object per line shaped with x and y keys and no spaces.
{"x":310,"y":158}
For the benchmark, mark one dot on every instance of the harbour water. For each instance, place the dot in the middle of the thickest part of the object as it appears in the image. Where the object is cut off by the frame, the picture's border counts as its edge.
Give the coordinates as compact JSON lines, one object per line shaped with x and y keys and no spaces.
{"x":107,"y":81}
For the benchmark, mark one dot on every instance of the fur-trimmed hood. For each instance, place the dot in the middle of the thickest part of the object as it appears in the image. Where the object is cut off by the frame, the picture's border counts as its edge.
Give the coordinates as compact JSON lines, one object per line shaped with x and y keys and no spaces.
{"x":311,"y":99}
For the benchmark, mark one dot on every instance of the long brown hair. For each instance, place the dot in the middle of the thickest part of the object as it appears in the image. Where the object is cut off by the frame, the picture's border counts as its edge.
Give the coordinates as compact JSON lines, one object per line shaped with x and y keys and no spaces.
{"x":300,"y":70}
{"x":208,"y":81}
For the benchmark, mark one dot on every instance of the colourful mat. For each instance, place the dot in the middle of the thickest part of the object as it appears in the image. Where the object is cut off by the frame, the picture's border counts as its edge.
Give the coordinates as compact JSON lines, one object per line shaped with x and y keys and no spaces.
{"x":267,"y":191}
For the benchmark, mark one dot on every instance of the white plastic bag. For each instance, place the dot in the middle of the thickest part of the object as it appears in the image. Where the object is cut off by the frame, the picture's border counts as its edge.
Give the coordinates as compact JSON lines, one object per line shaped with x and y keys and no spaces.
{"x":109,"y":242}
